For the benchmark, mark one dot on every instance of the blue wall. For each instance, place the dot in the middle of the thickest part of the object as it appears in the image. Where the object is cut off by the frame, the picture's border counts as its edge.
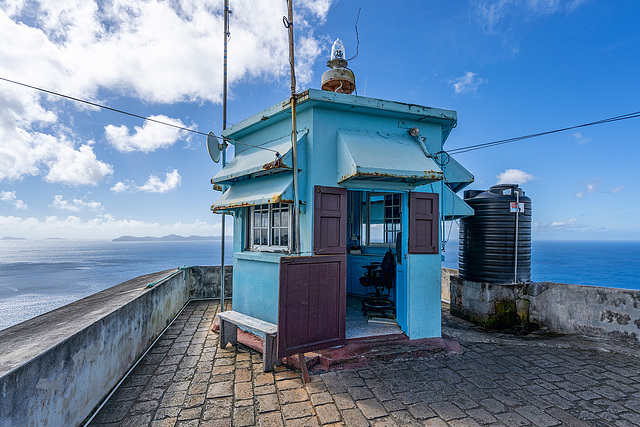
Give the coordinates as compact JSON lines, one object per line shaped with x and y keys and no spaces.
{"x":256,"y":275}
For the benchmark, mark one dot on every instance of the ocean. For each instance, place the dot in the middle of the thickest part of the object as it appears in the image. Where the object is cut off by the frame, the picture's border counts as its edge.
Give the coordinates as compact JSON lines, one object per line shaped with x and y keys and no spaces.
{"x":39,"y":276}
{"x":614,"y":264}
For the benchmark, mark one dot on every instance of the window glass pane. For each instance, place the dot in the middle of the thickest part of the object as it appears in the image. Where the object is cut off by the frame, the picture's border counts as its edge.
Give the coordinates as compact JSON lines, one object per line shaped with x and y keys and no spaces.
{"x":276,"y":219}
{"x":264,"y":238}
{"x":284,"y":237}
{"x":265,"y":219}
{"x":275,"y":237}
{"x":284,"y":218}
{"x":377,"y":233}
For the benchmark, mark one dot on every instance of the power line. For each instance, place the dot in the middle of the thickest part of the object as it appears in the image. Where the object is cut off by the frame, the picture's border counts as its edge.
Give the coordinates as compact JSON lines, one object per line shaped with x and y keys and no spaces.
{"x":459,"y":150}
{"x":535,"y":135}
{"x":94,"y":104}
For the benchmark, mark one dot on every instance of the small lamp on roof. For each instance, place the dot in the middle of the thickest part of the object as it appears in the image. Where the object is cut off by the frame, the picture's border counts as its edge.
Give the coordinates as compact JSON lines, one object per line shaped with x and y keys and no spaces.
{"x":339,"y":78}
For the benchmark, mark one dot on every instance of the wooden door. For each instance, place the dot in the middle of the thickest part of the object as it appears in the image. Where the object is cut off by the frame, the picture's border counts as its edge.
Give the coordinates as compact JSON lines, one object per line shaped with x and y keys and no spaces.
{"x":329,"y":220}
{"x":423,"y":223}
{"x":312,"y":308}
{"x":313,"y":303}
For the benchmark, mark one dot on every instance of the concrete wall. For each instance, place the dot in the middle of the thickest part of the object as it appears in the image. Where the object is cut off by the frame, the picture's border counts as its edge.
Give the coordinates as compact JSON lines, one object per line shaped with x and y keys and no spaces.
{"x":574,"y":309}
{"x":445,"y":283}
{"x":57,"y":367}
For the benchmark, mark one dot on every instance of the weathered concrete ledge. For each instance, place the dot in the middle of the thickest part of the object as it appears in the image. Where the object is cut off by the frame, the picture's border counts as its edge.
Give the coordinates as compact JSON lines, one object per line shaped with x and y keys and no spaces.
{"x":564,"y":308}
{"x":57,"y":367}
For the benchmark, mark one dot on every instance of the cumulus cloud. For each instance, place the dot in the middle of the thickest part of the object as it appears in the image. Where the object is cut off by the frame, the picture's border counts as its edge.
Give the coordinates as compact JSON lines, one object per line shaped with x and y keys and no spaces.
{"x":102,"y":226}
{"x":156,"y":51}
{"x":121,"y":187}
{"x":153,"y":185}
{"x":12,"y":198}
{"x":468,"y":83}
{"x":75,"y":205}
{"x":514,"y":176}
{"x":146,"y":138}
{"x":593,"y":187}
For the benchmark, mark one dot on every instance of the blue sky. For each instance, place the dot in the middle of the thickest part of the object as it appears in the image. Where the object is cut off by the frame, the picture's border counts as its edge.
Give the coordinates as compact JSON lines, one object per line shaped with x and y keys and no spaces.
{"x":509,"y":68}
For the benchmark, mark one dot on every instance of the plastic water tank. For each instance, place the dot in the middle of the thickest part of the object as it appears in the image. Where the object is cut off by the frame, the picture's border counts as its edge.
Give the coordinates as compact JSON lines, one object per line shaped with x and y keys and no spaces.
{"x":488,"y":238}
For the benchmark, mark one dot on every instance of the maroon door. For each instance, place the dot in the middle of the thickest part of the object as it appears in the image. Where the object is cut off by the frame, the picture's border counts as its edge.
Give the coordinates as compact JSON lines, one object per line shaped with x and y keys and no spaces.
{"x":423,"y":223}
{"x":313,"y":289}
{"x":312,"y":306}
{"x":329,"y":220}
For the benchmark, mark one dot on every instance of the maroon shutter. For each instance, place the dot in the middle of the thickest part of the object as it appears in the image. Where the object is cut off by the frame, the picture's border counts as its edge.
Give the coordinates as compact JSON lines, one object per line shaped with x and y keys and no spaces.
{"x":312,"y":306}
{"x":423,"y":223}
{"x":329,"y":220}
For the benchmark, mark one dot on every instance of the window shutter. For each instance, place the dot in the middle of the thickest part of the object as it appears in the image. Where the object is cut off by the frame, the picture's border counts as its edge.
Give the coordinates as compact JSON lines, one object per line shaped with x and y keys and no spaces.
{"x":423,"y":223}
{"x":329,"y":220}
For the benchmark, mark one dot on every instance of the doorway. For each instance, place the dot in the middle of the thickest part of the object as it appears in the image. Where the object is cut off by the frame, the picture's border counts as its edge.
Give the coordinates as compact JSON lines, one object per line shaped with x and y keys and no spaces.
{"x":374,"y":226}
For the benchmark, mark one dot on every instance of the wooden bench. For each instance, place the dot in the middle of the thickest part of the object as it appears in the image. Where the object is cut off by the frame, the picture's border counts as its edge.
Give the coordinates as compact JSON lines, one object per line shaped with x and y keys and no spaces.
{"x":229,"y":322}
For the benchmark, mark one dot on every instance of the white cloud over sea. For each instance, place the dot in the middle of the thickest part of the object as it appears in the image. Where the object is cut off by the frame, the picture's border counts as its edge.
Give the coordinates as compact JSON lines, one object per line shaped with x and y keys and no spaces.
{"x":514,"y":176}
{"x":102,"y":226}
{"x":155,"y":51}
{"x":153,"y":185}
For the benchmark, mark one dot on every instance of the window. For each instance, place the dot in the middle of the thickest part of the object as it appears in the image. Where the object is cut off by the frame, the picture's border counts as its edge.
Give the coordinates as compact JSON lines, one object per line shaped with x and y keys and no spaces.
{"x":270,"y":227}
{"x":381,"y":218}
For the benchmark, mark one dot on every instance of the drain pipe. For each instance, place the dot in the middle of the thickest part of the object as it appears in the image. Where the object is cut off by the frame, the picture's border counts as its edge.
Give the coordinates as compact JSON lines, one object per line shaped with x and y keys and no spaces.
{"x":288,"y":21}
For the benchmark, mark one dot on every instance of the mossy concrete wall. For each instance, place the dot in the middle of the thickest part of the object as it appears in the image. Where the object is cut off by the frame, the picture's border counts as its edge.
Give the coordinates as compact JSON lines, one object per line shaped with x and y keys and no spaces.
{"x":57,"y":367}
{"x":564,"y":308}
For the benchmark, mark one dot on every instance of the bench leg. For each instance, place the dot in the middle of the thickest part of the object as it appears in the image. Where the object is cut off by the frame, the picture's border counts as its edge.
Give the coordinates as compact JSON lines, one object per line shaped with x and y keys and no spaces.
{"x":269,"y":349}
{"x":228,"y":333}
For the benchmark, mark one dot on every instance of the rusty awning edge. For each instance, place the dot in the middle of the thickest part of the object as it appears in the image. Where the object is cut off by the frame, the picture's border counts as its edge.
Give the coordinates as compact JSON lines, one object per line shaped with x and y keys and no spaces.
{"x":276,"y":188}
{"x":256,"y":160}
{"x":398,"y":159}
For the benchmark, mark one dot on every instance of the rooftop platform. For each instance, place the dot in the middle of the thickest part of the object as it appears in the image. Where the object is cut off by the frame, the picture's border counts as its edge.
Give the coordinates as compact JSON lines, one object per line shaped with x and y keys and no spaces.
{"x":500,"y":380}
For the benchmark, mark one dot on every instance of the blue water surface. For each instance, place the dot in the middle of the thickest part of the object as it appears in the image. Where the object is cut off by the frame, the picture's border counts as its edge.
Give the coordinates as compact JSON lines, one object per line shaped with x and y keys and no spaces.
{"x":614,"y":264}
{"x":39,"y":276}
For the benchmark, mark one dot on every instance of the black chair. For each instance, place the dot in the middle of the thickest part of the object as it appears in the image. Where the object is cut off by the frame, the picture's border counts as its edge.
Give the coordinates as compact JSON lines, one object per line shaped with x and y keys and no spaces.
{"x":380,"y":276}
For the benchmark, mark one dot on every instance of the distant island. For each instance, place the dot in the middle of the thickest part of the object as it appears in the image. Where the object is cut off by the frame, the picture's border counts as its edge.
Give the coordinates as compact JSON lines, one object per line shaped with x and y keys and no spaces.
{"x":13,"y":238}
{"x":168,"y":238}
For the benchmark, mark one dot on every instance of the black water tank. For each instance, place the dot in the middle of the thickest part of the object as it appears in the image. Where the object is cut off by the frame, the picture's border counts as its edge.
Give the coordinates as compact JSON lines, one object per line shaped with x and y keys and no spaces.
{"x":487,"y":239}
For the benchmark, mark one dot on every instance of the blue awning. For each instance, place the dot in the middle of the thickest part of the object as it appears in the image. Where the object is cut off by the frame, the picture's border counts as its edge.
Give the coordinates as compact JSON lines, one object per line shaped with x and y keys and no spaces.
{"x":276,"y":188}
{"x":368,"y":159}
{"x":453,"y":206}
{"x":254,"y":161}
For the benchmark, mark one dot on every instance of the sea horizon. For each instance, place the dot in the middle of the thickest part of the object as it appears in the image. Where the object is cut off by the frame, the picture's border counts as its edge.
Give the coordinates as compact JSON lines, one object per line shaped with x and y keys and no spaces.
{"x":37,"y":276}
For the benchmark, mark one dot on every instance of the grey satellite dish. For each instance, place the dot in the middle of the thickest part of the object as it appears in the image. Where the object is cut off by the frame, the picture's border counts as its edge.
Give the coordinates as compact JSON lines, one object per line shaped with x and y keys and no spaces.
{"x":214,"y":147}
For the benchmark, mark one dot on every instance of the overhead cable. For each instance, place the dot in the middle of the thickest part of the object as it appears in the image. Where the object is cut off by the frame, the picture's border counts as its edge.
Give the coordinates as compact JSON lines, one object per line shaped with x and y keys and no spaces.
{"x":84,"y":101}
{"x":534,"y":135}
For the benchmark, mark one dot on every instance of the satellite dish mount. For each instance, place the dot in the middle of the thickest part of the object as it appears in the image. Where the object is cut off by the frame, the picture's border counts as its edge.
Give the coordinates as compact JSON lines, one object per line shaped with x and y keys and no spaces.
{"x":214,"y":147}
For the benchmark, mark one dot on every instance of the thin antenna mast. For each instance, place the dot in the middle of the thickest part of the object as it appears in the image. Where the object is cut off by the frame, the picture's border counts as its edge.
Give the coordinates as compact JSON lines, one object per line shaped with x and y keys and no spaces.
{"x":288,"y":22}
{"x":224,"y":144}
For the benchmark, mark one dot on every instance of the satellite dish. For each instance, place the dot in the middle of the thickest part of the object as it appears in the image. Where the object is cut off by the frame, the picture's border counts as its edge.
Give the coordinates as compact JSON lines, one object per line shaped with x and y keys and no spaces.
{"x":214,"y":147}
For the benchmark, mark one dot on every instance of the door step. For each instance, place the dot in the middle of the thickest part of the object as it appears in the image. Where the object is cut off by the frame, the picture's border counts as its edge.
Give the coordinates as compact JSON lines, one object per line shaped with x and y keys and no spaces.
{"x":363,"y":351}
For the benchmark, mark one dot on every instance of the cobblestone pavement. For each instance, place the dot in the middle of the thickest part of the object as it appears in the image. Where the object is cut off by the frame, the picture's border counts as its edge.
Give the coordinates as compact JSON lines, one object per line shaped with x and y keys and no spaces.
{"x":186,"y":380}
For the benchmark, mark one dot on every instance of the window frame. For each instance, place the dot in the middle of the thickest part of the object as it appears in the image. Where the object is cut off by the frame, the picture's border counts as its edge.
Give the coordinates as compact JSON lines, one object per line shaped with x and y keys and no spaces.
{"x":366,"y":225}
{"x":270,"y":208}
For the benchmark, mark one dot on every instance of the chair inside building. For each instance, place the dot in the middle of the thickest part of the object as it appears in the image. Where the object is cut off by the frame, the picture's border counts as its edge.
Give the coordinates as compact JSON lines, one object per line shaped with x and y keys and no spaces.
{"x":380,"y":276}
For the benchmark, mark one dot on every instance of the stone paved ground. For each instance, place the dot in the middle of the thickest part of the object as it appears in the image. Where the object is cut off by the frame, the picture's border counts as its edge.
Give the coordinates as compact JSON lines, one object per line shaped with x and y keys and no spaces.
{"x":186,"y":380}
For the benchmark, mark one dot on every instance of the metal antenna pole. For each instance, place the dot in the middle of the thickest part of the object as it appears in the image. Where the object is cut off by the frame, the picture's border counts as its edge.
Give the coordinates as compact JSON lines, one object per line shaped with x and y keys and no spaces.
{"x":515,"y":255}
{"x":224,"y":144}
{"x":294,"y":139}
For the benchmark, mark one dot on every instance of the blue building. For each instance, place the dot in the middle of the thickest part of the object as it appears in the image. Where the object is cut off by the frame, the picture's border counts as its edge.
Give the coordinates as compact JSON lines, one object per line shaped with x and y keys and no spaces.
{"x":372,"y":177}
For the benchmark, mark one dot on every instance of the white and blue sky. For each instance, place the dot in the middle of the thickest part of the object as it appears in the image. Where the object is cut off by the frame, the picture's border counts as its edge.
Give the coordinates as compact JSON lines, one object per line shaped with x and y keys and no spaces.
{"x":508,"y":67}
